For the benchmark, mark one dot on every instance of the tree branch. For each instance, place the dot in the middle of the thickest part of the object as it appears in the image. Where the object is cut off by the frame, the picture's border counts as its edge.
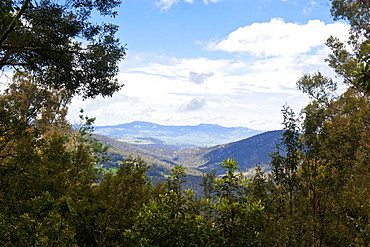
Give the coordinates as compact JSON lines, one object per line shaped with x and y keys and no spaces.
{"x":41,"y":49}
{"x":12,"y":24}
{"x":12,"y":63}
{"x":11,"y":29}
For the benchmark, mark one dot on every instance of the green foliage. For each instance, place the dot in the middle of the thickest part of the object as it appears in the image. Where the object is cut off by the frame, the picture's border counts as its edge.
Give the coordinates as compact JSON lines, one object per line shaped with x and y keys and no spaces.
{"x":45,"y":167}
{"x":318,"y":87}
{"x":362,"y":72}
{"x":351,"y":61}
{"x":207,"y":183}
{"x":176,"y":218}
{"x":55,"y":42}
{"x":285,"y":166}
{"x":233,"y":210}
{"x":356,"y":13}
{"x":120,"y":196}
{"x":172,"y":219}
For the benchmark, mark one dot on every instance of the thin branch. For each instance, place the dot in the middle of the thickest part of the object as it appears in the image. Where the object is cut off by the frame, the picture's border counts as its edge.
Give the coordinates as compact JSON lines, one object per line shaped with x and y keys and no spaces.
{"x":5,"y":58}
{"x":43,"y":49}
{"x":12,"y":64}
{"x":11,"y":28}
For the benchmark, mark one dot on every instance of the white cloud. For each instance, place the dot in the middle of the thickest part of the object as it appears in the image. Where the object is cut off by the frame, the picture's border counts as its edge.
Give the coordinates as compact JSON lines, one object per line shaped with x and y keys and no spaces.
{"x":194,"y":105}
{"x":199,"y":78}
{"x":278,"y":38}
{"x":206,"y":2}
{"x":240,"y":92}
{"x":166,"y":4}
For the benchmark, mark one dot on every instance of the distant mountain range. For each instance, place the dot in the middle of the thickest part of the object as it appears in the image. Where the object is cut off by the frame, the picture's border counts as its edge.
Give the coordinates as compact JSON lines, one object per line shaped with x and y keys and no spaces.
{"x":175,"y":137}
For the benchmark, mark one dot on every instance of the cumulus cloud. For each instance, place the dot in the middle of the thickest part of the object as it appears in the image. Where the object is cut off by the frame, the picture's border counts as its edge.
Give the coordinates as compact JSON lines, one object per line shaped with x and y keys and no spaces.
{"x":194,"y":105}
{"x":278,"y":38}
{"x":199,"y":78}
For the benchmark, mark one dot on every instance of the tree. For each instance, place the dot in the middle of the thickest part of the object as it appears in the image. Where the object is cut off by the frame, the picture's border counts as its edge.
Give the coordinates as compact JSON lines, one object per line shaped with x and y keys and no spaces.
{"x":207,"y":183}
{"x":334,"y":171}
{"x":335,"y":135}
{"x":234,"y":212}
{"x":120,"y":197}
{"x":172,"y":219}
{"x":56,"y":43}
{"x":352,"y":63}
{"x":46,"y":168}
{"x":285,"y":163}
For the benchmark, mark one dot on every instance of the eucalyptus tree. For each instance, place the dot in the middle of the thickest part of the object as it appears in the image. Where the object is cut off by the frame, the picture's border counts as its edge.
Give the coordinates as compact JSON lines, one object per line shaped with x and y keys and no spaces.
{"x":350,"y":59}
{"x":334,"y":172}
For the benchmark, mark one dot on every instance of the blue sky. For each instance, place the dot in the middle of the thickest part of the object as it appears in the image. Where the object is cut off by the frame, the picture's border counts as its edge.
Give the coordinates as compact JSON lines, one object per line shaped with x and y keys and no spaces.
{"x":226,"y":62}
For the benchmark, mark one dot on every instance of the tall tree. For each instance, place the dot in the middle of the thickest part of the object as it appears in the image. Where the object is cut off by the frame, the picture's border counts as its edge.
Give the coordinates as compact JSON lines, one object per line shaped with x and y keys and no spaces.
{"x":285,"y":163}
{"x":46,"y":168}
{"x":335,"y":134}
{"x":56,"y":42}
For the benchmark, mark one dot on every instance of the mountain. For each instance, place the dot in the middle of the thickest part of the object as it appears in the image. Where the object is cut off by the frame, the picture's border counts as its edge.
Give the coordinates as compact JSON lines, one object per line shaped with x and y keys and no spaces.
{"x":175,"y":137}
{"x":247,"y":152}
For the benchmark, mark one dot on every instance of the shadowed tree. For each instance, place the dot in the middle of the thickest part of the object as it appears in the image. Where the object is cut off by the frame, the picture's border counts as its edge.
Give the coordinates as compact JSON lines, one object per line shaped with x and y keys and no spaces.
{"x":56,"y":42}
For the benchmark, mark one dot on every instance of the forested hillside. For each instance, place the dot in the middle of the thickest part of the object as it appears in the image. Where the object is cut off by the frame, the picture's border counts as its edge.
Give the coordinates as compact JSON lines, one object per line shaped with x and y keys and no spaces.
{"x":249,"y":152}
{"x":54,"y":193}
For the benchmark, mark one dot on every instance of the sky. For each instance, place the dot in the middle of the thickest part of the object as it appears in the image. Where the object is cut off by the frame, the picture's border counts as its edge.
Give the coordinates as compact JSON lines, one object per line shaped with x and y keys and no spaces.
{"x":226,"y":62}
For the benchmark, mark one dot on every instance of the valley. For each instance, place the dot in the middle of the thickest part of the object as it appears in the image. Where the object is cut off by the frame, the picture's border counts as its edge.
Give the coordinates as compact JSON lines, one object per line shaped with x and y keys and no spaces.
{"x":247,"y":152}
